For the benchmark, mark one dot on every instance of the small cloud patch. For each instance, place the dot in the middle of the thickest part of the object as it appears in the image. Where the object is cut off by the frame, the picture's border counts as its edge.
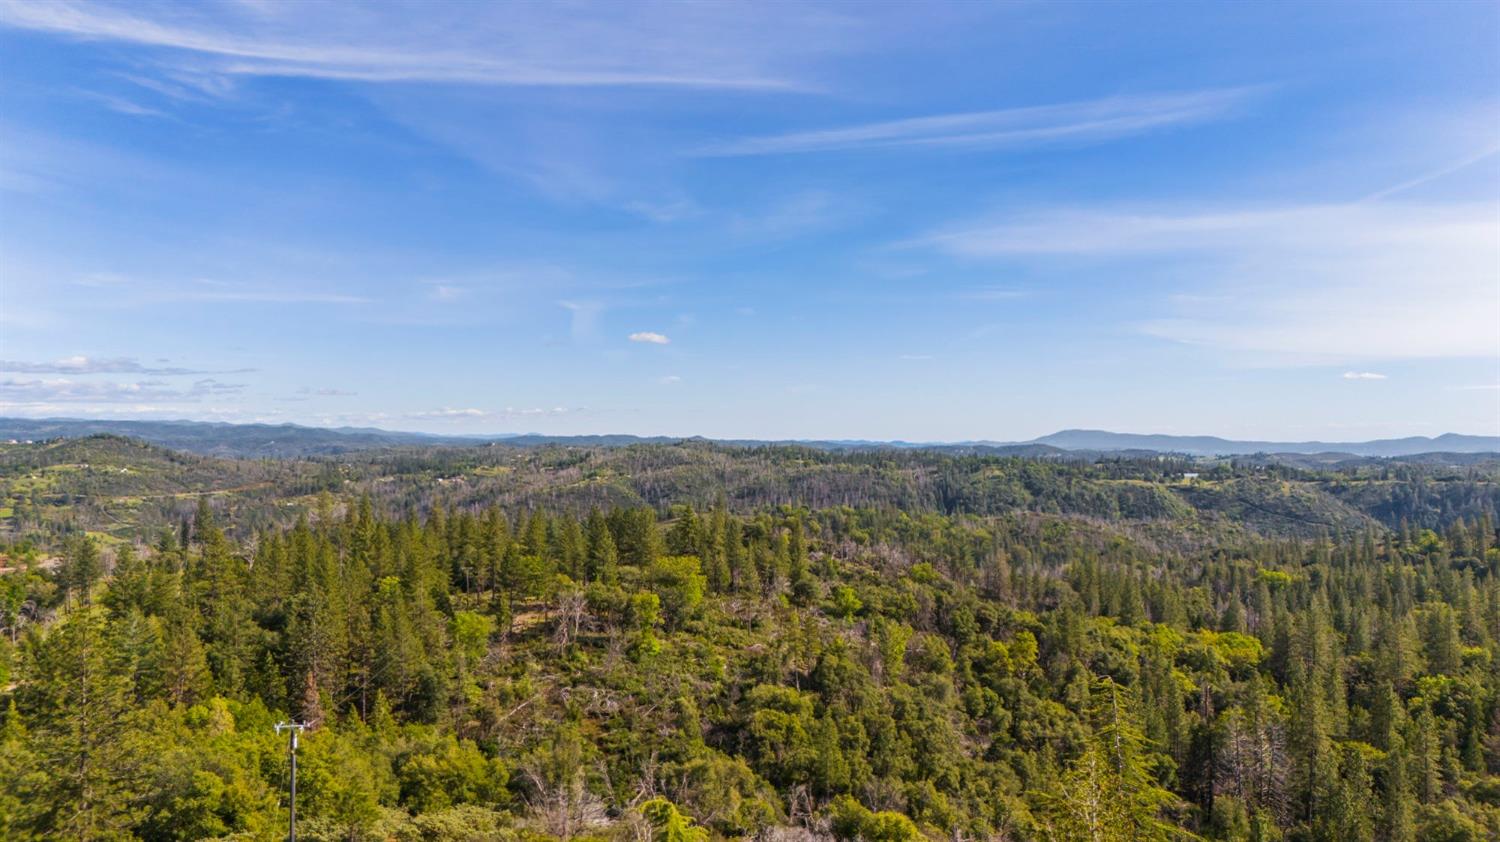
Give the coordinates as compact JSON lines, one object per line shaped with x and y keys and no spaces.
{"x":80,"y":364}
{"x":1363,"y":375}
{"x":650,"y":338}
{"x":448,"y":412}
{"x":994,"y":294}
{"x":62,"y":389}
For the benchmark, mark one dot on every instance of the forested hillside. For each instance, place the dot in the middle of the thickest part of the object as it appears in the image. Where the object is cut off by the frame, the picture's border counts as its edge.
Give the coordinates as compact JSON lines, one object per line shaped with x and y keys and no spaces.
{"x":685,"y":642}
{"x":294,"y":440}
{"x":121,"y":489}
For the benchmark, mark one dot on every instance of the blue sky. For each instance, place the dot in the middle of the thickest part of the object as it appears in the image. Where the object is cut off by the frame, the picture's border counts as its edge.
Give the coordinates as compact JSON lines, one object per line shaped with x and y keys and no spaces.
{"x":916,"y":221}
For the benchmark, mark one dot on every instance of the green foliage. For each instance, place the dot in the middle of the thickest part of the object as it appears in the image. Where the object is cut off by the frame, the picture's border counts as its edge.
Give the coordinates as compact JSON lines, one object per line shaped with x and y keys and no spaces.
{"x":1110,"y":792}
{"x":679,"y":584}
{"x":845,"y":602}
{"x":436,"y":771}
{"x":479,"y":672}
{"x":471,"y":634}
{"x":849,"y":820}
{"x":670,"y":825}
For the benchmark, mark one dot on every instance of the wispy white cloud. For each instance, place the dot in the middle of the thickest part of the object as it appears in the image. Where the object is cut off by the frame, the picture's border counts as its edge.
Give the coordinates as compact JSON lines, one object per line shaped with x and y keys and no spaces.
{"x":671,"y":210}
{"x":206,"y":290}
{"x":801,"y":213}
{"x":1072,"y":122}
{"x":446,"y":292}
{"x":122,"y":105}
{"x":470,"y":413}
{"x":102,"y":280}
{"x":584,"y":321}
{"x":108,"y":365}
{"x":180,"y":84}
{"x":669,"y":380}
{"x":1441,"y":172}
{"x":1286,"y":229}
{"x":650,"y":338}
{"x":1363,"y":375}
{"x":307,"y":393}
{"x":994,"y":294}
{"x":62,"y":390}
{"x":1310,"y":283}
{"x":449,"y":412}
{"x":652,"y":44}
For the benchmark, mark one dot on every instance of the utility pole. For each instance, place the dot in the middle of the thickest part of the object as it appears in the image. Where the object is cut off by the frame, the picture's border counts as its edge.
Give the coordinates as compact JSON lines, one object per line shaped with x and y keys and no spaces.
{"x":292,"y":729}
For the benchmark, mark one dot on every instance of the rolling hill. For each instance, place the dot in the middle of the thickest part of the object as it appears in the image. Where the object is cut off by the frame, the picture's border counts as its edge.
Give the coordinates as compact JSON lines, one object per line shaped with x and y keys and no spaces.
{"x":292,"y":441}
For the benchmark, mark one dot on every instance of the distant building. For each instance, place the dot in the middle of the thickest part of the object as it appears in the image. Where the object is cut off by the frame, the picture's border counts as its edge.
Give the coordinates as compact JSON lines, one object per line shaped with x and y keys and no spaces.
{"x":1189,"y":475}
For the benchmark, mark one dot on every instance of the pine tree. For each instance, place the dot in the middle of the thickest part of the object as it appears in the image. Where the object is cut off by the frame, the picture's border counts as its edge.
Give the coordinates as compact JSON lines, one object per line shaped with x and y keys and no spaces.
{"x":81,"y":568}
{"x":310,"y":706}
{"x":602,"y":556}
{"x":682,"y":538}
{"x":1109,"y":793}
{"x":185,"y":673}
{"x":21,"y":779}
{"x":1397,"y":822}
{"x":713,"y":552}
{"x":1347,"y":816}
{"x":80,"y":708}
{"x":569,"y":547}
{"x":743,"y":576}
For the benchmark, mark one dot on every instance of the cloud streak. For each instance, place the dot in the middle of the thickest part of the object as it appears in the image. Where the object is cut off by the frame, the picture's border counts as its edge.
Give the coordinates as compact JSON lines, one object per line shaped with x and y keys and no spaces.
{"x":547,"y":45}
{"x":1442,"y":172}
{"x":1305,"y":283}
{"x":650,"y":338}
{"x":62,"y":390}
{"x":107,"y":365}
{"x":474,"y":414}
{"x":248,"y":295}
{"x":449,"y":412}
{"x":1073,"y":122}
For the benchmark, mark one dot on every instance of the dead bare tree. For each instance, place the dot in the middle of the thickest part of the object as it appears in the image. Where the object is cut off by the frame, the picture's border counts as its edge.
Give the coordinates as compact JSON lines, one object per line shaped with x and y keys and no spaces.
{"x":562,"y":806}
{"x":570,"y":613}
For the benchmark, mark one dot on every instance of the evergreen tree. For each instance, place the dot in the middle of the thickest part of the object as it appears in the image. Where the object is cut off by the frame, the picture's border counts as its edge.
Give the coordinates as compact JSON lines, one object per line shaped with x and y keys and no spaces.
{"x":80,"y":716}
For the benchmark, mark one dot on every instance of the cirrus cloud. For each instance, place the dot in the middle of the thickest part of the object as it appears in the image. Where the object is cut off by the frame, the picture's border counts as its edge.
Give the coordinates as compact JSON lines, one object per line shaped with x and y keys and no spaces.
{"x":63,"y":390}
{"x":450,"y":412}
{"x":1069,"y":122}
{"x":650,"y":338}
{"x":1294,"y":283}
{"x":80,"y":364}
{"x":733,"y":46}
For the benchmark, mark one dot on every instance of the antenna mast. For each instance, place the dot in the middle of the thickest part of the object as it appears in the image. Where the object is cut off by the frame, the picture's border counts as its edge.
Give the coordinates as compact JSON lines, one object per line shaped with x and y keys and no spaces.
{"x":292,"y":729}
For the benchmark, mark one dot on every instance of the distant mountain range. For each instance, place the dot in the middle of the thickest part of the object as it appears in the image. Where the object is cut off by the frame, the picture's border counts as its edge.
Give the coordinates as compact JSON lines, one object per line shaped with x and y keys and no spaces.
{"x":292,"y":440}
{"x":1213,"y":446}
{"x":220,"y":439}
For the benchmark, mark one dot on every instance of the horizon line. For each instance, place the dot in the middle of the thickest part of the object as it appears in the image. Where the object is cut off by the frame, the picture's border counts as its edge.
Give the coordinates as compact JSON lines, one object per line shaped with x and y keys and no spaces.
{"x":480,"y":437}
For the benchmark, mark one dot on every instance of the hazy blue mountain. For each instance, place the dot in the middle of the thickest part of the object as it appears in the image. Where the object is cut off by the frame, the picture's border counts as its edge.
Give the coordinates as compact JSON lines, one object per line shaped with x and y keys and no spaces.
{"x":292,"y":440}
{"x":1103,"y":440}
{"x":220,"y":439}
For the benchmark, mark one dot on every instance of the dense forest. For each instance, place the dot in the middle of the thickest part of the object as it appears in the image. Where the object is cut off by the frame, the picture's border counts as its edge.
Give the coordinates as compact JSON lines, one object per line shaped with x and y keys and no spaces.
{"x":122,"y":489}
{"x":685,"y":642}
